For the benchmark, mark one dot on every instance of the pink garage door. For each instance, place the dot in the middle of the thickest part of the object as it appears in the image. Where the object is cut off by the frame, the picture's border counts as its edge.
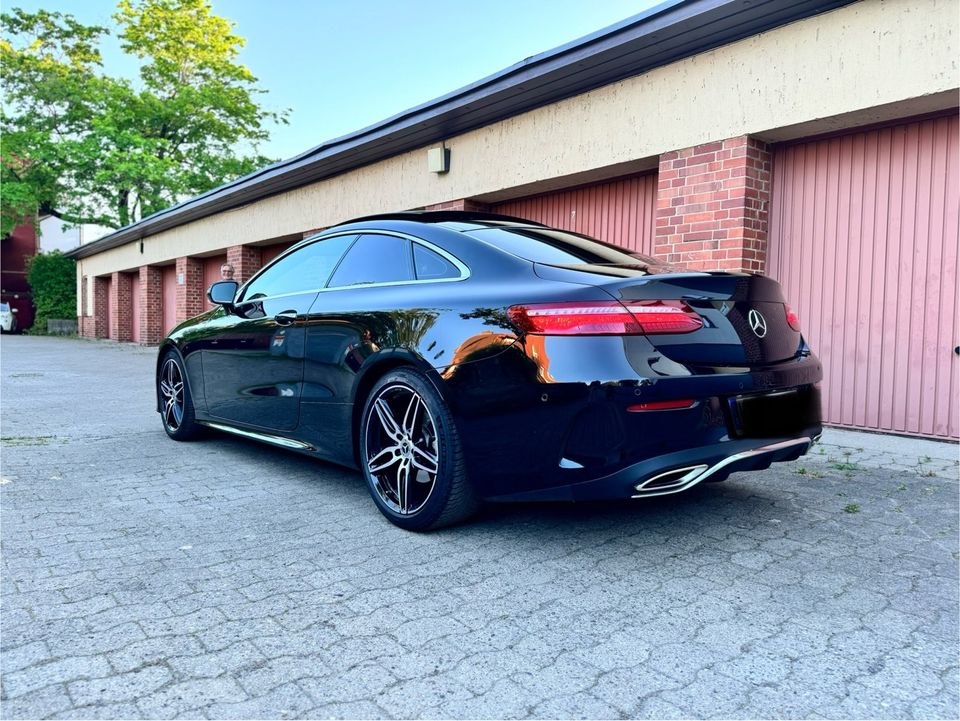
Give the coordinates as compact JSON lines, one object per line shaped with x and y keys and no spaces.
{"x":108,"y":314}
{"x":168,"y":277}
{"x":864,"y":237}
{"x":135,"y":307}
{"x":211,"y":274}
{"x":620,"y":211}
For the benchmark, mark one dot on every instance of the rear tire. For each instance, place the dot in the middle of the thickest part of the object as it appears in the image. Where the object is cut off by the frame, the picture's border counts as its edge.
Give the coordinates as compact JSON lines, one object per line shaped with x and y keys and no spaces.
{"x":176,"y":409}
{"x":410,"y":454}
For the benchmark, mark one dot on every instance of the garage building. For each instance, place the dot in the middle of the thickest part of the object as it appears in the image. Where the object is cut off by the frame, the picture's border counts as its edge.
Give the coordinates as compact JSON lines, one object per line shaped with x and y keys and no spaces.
{"x":815,"y":142}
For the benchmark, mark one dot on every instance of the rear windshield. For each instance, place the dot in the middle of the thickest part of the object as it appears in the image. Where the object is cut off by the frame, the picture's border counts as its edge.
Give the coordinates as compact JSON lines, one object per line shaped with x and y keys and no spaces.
{"x":560,"y":247}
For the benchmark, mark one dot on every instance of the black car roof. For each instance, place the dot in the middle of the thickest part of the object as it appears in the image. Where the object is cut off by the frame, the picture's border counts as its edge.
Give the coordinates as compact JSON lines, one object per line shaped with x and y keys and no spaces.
{"x":453,"y":218}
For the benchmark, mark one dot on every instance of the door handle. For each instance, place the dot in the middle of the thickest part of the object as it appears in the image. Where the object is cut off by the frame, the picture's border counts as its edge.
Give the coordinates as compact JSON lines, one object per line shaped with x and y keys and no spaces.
{"x":287,"y":317}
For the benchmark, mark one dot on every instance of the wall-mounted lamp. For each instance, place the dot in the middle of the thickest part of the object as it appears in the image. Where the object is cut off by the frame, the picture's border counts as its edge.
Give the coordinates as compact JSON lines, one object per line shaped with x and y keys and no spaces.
{"x":438,"y":159}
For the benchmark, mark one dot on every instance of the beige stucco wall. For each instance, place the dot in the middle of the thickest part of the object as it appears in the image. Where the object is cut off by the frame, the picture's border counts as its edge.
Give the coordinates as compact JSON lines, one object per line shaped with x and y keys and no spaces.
{"x":873,"y":60}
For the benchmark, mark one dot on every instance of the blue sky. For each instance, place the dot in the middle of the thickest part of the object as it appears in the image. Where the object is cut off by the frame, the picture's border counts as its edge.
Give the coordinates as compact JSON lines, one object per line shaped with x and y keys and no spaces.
{"x":339,"y":66}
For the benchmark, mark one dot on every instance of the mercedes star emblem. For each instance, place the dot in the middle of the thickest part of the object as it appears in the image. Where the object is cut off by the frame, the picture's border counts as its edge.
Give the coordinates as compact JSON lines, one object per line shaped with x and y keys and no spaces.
{"x":758,"y":323}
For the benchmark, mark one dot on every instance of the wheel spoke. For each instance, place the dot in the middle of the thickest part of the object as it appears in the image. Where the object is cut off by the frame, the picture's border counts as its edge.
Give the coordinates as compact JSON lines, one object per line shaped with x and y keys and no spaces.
{"x":166,"y":389}
{"x":387,"y":420}
{"x":410,"y":415}
{"x":425,"y":460}
{"x":403,"y":486}
{"x":384,"y":459}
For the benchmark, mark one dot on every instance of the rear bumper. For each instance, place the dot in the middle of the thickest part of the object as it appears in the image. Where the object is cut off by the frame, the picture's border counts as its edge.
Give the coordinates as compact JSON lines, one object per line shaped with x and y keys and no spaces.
{"x":678,"y":472}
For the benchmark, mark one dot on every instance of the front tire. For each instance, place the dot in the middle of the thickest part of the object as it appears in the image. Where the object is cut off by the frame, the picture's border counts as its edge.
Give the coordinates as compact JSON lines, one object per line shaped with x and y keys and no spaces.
{"x":410,"y":454}
{"x":176,"y":403}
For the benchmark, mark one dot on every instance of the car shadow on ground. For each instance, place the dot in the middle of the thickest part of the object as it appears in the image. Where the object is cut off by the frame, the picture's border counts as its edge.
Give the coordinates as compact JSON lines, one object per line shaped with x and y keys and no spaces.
{"x":706,"y":504}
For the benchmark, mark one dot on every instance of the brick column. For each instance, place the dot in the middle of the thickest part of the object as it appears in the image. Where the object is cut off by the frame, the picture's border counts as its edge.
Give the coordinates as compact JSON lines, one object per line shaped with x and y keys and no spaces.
{"x":713,"y":203}
{"x":98,"y":329}
{"x":462,"y":204}
{"x":190,"y":291}
{"x":245,"y":259}
{"x":121,"y":307}
{"x":151,"y":305}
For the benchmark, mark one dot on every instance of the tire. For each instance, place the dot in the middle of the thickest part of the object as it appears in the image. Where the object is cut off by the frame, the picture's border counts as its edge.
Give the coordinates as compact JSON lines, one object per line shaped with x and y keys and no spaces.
{"x":182,"y":425}
{"x":410,"y":454}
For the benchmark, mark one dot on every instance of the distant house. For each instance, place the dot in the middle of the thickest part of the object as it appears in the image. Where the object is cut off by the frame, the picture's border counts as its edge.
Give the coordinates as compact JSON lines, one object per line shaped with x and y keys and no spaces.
{"x":15,"y":249}
{"x":55,"y":235}
{"x":24,"y":242}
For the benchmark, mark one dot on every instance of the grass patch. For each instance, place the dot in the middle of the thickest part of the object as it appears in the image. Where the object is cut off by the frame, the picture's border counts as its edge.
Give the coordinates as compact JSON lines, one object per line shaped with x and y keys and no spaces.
{"x":27,"y":440}
{"x":852,"y":508}
{"x":845,"y":466}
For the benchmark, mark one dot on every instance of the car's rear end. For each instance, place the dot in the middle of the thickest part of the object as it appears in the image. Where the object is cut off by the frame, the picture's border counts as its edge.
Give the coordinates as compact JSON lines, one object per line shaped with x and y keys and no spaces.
{"x":657,"y":380}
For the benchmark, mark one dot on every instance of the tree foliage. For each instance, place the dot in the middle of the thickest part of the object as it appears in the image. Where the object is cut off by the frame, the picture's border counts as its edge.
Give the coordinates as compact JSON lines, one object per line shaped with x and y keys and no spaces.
{"x":87,"y":147}
{"x":53,"y":281}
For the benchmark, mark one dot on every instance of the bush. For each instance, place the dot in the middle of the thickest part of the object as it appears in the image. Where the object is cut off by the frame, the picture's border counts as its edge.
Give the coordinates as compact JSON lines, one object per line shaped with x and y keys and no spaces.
{"x":53,"y":282}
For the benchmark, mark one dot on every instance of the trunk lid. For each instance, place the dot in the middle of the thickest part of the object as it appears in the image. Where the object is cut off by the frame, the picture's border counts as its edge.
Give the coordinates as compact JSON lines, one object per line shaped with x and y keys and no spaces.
{"x":744,"y":316}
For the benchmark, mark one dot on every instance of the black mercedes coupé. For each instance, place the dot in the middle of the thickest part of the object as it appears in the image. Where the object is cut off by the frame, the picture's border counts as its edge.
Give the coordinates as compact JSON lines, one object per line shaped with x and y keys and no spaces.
{"x":456,"y":358}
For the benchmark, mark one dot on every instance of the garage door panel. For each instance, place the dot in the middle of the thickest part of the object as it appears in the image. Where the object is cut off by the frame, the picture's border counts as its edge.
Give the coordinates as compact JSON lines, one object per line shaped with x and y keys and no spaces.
{"x":169,"y":301}
{"x":864,"y":236}
{"x":135,"y":307}
{"x":620,"y":211}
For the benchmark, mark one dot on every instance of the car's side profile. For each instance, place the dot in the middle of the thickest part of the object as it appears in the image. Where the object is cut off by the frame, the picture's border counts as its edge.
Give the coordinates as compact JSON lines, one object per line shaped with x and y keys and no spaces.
{"x":455,"y":358}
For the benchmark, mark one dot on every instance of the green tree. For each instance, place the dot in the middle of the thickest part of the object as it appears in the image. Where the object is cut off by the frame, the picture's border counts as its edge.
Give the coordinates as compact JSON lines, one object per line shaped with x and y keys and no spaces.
{"x":87,"y":147}
{"x":53,"y":282}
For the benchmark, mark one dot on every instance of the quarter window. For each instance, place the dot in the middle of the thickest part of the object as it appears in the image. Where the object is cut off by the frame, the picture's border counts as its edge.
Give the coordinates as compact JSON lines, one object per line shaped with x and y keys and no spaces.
{"x":375,"y":259}
{"x":303,"y":270}
{"x":431,"y":265}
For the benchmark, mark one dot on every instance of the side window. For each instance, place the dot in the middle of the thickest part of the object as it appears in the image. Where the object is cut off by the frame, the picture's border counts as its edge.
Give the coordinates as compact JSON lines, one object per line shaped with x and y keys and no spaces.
{"x":375,"y":259}
{"x":305,"y":269}
{"x":432,"y":266}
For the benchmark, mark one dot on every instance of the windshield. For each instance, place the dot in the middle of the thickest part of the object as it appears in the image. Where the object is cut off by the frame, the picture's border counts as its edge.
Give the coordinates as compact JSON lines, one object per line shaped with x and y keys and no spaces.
{"x":560,"y":247}
{"x":4,"y":307}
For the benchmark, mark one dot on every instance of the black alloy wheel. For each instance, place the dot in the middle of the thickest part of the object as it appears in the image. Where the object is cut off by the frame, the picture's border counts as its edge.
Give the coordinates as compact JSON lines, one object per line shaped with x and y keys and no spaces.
{"x":410,"y":454}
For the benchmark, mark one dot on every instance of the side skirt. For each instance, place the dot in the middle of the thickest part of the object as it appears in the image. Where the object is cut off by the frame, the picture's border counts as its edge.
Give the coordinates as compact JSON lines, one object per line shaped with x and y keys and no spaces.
{"x":264,"y":437}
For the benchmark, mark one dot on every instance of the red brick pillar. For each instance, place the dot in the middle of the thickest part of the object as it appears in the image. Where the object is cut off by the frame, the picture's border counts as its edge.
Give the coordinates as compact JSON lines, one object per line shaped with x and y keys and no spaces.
{"x":100,"y":300}
{"x":190,"y":291}
{"x":151,"y":305}
{"x":121,"y":307}
{"x":245,"y":259}
{"x":713,"y":203}
{"x":462,"y":204}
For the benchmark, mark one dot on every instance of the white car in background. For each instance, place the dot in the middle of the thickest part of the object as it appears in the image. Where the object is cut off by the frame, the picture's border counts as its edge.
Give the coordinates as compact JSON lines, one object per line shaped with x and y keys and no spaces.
{"x":8,"y":318}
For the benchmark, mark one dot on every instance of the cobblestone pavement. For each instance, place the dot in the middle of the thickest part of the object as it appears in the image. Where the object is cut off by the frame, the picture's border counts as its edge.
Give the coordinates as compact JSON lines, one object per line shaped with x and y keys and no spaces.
{"x":145,"y":578}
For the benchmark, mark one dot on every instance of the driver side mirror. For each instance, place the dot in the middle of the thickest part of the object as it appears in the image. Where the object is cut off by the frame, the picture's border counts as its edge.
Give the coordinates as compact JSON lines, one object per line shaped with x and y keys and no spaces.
{"x":223,"y":292}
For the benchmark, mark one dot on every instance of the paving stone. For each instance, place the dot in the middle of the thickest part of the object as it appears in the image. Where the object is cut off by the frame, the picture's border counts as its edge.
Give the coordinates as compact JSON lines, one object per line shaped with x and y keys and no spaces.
{"x":148,"y":582}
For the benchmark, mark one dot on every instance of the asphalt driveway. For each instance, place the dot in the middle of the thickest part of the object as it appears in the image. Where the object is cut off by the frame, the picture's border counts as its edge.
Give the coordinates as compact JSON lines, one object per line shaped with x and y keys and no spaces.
{"x":146,"y":578}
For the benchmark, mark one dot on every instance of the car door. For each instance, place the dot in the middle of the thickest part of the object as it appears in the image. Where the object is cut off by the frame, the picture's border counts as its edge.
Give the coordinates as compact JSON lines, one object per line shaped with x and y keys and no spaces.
{"x":367,"y":307}
{"x":253,"y":368}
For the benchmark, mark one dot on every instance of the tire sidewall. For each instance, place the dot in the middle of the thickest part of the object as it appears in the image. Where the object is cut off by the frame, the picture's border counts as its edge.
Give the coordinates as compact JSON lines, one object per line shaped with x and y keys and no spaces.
{"x":425,"y":517}
{"x":187,"y":427}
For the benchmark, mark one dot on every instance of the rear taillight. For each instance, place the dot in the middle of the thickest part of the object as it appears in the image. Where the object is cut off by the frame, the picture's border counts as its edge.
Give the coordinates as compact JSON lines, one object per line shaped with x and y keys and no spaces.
{"x":793,"y":320}
{"x":606,"y":318}
{"x":662,"y":405}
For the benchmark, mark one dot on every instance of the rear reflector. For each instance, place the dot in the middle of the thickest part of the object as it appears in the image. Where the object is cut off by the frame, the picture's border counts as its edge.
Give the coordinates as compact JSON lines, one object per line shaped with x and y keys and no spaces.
{"x":663,"y":405}
{"x":793,"y":320}
{"x":606,"y":318}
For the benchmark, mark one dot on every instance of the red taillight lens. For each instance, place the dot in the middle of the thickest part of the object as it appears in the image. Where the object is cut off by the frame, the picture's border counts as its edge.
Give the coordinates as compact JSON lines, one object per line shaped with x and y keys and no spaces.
{"x":606,"y":318}
{"x":662,"y":405}
{"x":793,"y":320}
